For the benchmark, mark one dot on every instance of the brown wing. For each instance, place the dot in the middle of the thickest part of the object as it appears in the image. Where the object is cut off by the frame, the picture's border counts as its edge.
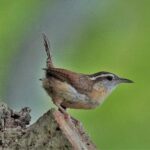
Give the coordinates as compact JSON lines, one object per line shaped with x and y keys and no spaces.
{"x":80,"y":82}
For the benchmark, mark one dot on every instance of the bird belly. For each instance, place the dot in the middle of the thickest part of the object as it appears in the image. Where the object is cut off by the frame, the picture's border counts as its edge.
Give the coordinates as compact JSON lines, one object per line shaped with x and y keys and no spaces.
{"x":70,"y":97}
{"x":76,"y":100}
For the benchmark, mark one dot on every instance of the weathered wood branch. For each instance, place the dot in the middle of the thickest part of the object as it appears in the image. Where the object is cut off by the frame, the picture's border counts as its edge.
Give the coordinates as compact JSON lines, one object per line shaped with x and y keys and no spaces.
{"x":52,"y":131}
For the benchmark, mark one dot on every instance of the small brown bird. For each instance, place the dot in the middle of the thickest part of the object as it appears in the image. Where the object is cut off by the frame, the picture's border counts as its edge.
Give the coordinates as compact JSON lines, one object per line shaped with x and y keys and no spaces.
{"x":76,"y":90}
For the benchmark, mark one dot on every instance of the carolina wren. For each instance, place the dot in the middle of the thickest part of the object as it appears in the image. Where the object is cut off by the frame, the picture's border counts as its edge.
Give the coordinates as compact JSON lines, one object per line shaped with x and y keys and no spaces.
{"x":76,"y":90}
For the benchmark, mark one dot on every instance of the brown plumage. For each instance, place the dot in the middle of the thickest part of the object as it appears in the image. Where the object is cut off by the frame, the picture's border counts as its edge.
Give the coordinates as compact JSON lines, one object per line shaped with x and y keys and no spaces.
{"x":76,"y":90}
{"x":79,"y":81}
{"x":67,"y":88}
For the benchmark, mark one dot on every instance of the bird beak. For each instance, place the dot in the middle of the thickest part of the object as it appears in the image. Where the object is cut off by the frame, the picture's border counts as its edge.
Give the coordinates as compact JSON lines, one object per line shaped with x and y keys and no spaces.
{"x":123,"y":80}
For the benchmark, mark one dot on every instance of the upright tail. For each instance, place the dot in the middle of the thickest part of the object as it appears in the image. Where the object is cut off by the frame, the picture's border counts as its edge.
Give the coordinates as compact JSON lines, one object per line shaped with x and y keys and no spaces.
{"x":47,"y":49}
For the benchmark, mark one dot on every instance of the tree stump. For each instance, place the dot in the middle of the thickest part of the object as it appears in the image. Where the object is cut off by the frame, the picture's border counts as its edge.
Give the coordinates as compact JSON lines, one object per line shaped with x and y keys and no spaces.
{"x":52,"y":131}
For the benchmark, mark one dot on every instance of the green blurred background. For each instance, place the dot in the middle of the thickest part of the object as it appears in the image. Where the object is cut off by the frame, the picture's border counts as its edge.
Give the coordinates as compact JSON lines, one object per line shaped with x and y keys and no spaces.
{"x":87,"y":36}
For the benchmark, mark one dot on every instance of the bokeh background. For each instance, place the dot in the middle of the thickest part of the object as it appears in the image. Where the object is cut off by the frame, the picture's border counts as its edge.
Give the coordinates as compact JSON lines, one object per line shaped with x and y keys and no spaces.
{"x":86,"y":36}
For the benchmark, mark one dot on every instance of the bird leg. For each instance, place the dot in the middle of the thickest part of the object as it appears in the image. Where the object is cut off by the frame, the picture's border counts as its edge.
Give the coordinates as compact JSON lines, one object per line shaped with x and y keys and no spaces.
{"x":57,"y":102}
{"x":75,"y":121}
{"x":63,"y":110}
{"x":66,"y":115}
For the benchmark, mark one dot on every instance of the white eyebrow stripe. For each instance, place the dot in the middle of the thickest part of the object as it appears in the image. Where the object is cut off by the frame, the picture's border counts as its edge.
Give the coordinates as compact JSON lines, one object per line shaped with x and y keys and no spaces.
{"x":102,"y":75}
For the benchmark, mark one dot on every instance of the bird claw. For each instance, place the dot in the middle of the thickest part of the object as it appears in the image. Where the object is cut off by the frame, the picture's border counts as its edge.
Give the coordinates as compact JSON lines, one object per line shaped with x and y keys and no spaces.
{"x":75,"y":121}
{"x":66,"y":115}
{"x":71,"y":119}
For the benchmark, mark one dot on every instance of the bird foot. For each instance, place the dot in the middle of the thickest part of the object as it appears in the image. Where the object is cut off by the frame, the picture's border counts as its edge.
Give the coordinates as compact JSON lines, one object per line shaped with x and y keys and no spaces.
{"x":76,"y":122}
{"x":66,"y":115}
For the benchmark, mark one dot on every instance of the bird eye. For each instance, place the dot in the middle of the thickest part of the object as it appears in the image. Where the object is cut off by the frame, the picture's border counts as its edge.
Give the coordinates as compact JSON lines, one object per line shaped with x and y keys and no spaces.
{"x":110,"y":78}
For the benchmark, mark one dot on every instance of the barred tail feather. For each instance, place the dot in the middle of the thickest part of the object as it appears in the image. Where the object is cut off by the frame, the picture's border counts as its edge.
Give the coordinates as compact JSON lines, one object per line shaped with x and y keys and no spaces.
{"x":47,"y":49}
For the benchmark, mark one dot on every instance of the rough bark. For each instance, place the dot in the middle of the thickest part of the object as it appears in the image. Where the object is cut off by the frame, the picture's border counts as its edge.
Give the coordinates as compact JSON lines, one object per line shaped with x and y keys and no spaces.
{"x":52,"y":131}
